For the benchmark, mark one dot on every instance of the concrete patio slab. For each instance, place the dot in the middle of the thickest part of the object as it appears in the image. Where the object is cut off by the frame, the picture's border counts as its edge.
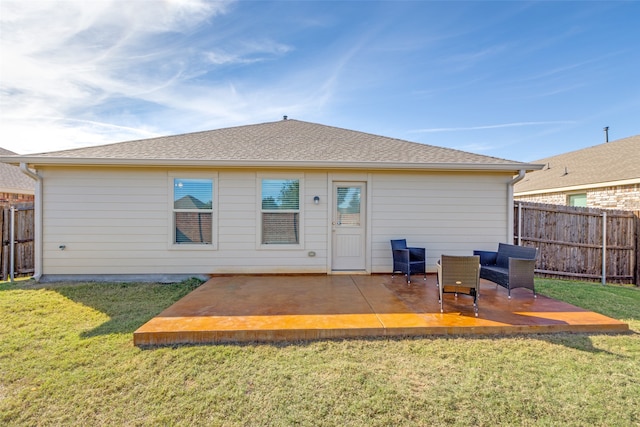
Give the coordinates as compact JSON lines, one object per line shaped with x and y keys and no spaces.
{"x":291,"y":308}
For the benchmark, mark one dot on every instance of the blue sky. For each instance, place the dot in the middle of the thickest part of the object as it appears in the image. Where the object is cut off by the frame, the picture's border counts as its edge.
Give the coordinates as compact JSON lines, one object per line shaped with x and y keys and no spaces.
{"x":512,"y":79}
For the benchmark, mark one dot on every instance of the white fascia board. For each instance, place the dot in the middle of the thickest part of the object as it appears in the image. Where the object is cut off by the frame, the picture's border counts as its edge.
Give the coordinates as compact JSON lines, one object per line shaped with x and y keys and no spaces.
{"x":631,"y":181}
{"x":13,"y":190}
{"x":65,"y":161}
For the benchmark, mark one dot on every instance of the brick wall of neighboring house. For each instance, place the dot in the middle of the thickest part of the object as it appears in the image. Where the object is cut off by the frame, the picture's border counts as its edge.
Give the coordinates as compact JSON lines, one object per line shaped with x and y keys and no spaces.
{"x":548,"y":198}
{"x":626,"y":197}
{"x":15,"y":198}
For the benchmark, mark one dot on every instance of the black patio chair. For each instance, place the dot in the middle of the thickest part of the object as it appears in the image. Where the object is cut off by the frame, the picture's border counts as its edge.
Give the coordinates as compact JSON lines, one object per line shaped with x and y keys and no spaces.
{"x":408,"y":260}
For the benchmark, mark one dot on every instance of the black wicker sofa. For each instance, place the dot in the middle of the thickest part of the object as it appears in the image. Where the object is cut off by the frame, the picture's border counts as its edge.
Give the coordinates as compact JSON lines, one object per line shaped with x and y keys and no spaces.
{"x":510,"y":267}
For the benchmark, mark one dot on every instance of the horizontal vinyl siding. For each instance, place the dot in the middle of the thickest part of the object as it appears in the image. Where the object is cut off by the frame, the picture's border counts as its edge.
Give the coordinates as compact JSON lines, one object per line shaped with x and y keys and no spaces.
{"x":316,"y":217}
{"x":444,"y":213}
{"x":118,"y":220}
{"x":237,"y":226}
{"x":111,"y":221}
{"x":239,"y":232}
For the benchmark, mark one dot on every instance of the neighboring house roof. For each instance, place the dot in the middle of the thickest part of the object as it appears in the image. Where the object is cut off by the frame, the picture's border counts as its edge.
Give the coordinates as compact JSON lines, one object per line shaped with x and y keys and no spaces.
{"x":12,"y":180}
{"x":612,"y":163}
{"x":190,"y":202}
{"x":285,"y":143}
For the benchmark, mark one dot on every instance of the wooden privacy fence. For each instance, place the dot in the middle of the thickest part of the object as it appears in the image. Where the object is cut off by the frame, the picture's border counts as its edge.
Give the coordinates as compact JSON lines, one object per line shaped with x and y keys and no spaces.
{"x":21,"y":229}
{"x":581,"y":243}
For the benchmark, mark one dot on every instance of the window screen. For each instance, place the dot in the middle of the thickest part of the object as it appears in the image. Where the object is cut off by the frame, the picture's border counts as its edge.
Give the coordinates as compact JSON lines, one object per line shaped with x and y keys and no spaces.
{"x":193,"y":210}
{"x":280,"y":211}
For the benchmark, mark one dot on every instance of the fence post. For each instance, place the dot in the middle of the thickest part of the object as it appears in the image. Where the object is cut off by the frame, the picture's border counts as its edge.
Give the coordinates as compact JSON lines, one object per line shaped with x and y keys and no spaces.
{"x":12,"y":243}
{"x":636,"y":272}
{"x":4,"y":214}
{"x":519,"y":223}
{"x":604,"y":247}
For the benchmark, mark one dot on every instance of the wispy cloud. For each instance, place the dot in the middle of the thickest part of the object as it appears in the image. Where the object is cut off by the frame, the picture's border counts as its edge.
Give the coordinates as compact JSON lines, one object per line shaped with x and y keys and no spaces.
{"x":64,"y":60}
{"x":78,"y":73}
{"x":485,"y":127}
{"x":467,"y":60}
{"x":248,"y":52}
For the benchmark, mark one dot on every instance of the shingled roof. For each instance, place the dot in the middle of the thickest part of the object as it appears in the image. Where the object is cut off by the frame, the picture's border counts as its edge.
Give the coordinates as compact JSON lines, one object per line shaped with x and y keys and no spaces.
{"x":12,"y":180}
{"x":601,"y":165}
{"x":285,"y":143}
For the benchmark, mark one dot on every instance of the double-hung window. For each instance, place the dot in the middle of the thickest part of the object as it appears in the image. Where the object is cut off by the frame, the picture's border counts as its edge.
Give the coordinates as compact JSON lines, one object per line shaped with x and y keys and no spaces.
{"x":192,"y":212}
{"x":280,"y":211}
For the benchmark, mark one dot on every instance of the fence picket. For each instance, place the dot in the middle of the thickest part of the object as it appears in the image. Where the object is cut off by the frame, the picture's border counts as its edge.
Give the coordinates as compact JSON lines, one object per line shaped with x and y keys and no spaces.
{"x":24,"y":232}
{"x":570,"y":241}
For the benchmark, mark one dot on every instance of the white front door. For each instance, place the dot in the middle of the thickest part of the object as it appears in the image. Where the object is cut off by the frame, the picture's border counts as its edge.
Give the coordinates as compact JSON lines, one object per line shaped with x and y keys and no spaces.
{"x":348,"y":226}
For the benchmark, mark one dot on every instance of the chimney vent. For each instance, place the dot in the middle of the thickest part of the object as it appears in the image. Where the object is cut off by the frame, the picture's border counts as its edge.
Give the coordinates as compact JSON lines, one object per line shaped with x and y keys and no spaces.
{"x":285,"y":117}
{"x":606,"y":134}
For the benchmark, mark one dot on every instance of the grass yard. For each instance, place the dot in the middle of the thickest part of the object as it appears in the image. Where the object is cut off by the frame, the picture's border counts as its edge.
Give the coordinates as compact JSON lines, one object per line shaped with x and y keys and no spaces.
{"x":67,"y":358}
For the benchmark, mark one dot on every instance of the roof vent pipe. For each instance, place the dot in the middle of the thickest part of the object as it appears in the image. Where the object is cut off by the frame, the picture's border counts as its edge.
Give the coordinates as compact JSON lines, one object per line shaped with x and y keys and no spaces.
{"x":285,"y":117}
{"x":606,"y":134}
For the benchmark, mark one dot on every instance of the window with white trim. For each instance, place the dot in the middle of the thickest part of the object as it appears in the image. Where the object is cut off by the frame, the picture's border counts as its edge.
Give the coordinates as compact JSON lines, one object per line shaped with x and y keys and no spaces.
{"x":280,"y":212}
{"x":192,"y":211}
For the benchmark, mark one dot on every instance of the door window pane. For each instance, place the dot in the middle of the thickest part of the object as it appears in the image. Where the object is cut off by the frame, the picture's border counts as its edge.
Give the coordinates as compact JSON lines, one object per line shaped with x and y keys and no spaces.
{"x":348,"y":206}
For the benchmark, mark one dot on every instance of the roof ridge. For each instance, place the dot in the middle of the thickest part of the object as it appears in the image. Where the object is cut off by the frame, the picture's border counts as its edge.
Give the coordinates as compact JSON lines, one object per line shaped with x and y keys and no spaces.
{"x":584,"y":149}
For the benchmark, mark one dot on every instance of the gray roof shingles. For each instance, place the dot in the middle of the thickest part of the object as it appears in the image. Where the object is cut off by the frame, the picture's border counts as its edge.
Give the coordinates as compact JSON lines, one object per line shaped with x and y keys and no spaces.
{"x":605,"y":163}
{"x":281,"y":141}
{"x":12,"y":179}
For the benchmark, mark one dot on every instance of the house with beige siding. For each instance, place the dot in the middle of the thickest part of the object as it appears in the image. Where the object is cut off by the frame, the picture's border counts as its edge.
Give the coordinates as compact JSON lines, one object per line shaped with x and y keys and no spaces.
{"x":280,"y":197}
{"x":603,"y":176}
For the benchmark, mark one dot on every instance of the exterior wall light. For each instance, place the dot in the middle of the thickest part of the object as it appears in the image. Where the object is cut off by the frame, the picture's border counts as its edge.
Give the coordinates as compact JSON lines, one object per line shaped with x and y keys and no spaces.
{"x":316,"y":200}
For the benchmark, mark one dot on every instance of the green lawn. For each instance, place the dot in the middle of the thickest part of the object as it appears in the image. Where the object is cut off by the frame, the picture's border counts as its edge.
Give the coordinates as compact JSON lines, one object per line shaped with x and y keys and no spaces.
{"x":67,"y":358}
